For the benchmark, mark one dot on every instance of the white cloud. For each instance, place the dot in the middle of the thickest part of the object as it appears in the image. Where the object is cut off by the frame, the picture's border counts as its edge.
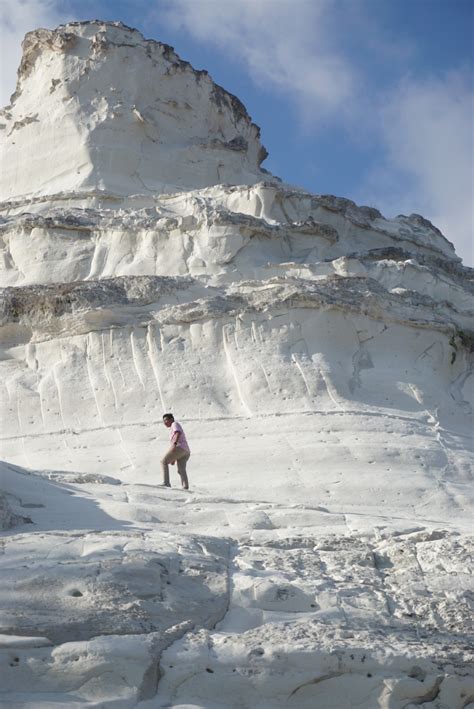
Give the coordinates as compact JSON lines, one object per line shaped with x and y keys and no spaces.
{"x":17,"y":17}
{"x":426,"y":130}
{"x":284,"y":45}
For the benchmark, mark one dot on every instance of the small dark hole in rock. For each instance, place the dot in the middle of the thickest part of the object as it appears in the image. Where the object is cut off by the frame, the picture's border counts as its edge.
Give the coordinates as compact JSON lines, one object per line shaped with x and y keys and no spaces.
{"x":369,"y":674}
{"x":76,"y":593}
{"x":208,"y":669}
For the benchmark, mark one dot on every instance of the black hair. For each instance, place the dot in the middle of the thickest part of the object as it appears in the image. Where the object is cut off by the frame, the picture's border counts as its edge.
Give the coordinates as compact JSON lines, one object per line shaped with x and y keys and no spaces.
{"x":168,"y":416}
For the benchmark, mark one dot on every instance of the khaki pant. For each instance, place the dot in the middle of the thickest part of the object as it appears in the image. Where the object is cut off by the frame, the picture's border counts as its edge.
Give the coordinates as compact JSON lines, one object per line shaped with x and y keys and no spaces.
{"x":175,"y":455}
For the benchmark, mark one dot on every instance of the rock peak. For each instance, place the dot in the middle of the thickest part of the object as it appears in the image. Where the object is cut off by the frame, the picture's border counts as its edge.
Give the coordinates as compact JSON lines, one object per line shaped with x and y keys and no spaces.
{"x":99,"y":107}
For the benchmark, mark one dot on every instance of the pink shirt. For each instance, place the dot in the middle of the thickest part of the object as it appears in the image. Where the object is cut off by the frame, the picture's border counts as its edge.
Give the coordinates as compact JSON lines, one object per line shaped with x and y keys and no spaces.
{"x":177,"y":428}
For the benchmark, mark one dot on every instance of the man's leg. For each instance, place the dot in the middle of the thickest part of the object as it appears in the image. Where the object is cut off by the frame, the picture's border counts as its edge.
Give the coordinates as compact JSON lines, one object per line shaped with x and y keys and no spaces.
{"x":170,"y":457}
{"x":182,"y":457}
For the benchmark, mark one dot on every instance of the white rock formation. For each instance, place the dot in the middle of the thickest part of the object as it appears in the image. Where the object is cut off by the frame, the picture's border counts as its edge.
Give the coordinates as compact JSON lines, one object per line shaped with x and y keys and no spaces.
{"x":118,"y":114}
{"x":320,"y":359}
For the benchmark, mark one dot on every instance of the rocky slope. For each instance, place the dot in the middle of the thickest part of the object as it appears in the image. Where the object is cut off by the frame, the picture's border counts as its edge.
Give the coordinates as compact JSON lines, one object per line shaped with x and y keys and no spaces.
{"x":320,"y":358}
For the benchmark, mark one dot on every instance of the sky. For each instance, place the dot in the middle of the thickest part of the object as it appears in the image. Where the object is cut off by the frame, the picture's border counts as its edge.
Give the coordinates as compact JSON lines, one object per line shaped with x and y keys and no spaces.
{"x":366,"y":99}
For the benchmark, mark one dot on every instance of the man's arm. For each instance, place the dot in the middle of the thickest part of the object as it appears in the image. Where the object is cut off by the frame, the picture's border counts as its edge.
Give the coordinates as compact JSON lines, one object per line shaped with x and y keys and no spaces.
{"x":175,"y":437}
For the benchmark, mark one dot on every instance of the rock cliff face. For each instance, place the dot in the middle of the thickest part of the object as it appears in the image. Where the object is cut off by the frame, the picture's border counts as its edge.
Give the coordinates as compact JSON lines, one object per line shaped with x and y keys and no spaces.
{"x":100,"y":110}
{"x":319,"y":357}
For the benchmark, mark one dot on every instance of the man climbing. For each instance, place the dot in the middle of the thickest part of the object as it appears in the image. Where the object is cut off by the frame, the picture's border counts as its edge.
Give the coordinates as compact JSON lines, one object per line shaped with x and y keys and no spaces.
{"x":179,"y":452}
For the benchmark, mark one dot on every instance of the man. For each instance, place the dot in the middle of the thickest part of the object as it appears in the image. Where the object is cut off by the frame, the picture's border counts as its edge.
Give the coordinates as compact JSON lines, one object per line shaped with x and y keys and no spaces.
{"x":179,"y":452}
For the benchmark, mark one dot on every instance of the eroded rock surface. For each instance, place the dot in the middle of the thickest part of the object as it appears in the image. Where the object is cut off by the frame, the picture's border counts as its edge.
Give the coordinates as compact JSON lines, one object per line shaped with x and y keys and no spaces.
{"x":100,"y":109}
{"x":318,"y":355}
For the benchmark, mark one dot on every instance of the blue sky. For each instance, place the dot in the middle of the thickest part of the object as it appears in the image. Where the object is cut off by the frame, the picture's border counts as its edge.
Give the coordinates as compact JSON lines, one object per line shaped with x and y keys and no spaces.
{"x":366,"y":99}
